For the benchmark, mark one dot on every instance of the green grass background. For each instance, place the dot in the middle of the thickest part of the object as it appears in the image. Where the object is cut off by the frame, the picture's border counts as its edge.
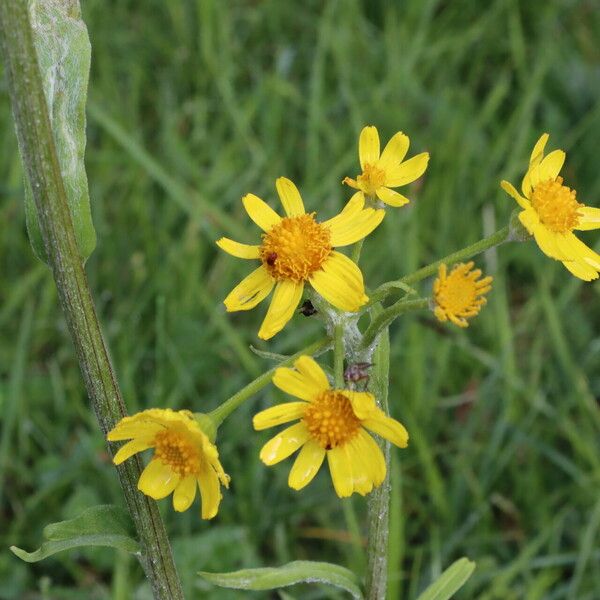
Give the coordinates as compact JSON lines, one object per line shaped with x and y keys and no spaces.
{"x":193,"y":104}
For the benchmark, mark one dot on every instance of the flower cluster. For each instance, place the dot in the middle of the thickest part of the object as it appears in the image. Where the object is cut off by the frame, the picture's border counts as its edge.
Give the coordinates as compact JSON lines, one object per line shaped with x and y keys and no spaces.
{"x":336,"y":420}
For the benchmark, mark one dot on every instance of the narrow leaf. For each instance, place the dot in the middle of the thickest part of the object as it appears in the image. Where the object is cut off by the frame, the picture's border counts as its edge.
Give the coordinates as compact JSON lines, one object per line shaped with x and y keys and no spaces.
{"x":104,"y":525}
{"x":450,"y":581}
{"x":300,"y":571}
{"x":64,"y":53}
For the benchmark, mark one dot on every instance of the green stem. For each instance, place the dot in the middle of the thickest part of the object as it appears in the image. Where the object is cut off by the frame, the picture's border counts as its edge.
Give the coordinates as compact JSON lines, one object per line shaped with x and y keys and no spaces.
{"x":496,"y":238}
{"x":379,"y":500}
{"x":383,"y":319}
{"x":224,"y":410}
{"x":42,"y":169}
{"x":338,"y":356}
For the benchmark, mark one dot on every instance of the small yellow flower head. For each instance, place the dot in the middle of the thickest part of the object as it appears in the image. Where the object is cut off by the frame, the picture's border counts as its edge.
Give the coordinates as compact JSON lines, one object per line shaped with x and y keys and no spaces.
{"x":333,"y":424}
{"x":460,"y":295}
{"x":296,"y":250}
{"x":380,"y":172}
{"x":551,"y":213}
{"x":184,"y":458}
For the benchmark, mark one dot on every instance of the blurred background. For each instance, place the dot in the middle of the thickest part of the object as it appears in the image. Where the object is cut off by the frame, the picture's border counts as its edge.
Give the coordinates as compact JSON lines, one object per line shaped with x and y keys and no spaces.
{"x":193,"y":104}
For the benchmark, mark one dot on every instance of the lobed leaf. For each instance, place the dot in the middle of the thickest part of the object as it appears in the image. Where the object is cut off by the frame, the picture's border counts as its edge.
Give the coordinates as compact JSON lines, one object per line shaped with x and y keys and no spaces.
{"x":299,"y":571}
{"x":104,"y":525}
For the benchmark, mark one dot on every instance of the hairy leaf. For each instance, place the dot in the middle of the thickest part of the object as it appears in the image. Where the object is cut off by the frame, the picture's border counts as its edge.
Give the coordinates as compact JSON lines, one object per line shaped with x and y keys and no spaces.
{"x":63,"y":52}
{"x":104,"y":525}
{"x":300,"y":571}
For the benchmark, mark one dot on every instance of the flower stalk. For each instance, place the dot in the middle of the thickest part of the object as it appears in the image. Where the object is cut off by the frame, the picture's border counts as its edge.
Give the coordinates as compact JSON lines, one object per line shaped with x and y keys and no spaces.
{"x":219,"y":414}
{"x":42,"y":169}
{"x":384,"y":318}
{"x":497,"y":238}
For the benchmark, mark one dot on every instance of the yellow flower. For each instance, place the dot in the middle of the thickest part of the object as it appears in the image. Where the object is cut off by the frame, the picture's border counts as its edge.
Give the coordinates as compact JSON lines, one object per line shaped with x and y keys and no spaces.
{"x":297,"y":249}
{"x":385,"y":171}
{"x":333,"y":423}
{"x":551,"y":213}
{"x":460,"y":295}
{"x":183,"y":457}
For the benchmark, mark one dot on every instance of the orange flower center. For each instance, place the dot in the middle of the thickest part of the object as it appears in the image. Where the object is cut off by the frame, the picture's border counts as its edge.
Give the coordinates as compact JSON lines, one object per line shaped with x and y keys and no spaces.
{"x":176,"y":451}
{"x":295,"y":248}
{"x":371,"y":178}
{"x":556,"y":205}
{"x":331,"y":420}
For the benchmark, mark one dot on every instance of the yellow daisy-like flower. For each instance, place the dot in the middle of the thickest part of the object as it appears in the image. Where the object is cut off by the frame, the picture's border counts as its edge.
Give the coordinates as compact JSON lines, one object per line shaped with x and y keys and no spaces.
{"x":333,"y":423}
{"x":551,"y":213}
{"x":460,"y":295}
{"x":184,"y":458}
{"x":297,"y":249}
{"x":380,"y":172}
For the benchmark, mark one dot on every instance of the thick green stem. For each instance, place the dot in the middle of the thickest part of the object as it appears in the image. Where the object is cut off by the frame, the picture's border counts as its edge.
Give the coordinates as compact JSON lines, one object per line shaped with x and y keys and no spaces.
{"x":224,"y":410}
{"x":42,"y":169}
{"x":485,"y":244}
{"x":382,"y":320}
{"x":338,"y":356}
{"x":379,"y":499}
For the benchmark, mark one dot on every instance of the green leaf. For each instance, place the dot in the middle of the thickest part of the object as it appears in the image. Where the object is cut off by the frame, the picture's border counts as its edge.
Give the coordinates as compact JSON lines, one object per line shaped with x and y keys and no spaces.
{"x":104,"y":525}
{"x":299,"y":571}
{"x":64,"y":53}
{"x":450,"y":581}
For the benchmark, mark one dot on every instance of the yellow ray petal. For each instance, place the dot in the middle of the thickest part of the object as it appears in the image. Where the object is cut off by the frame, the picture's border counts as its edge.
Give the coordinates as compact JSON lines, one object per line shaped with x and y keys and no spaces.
{"x":388,"y":428}
{"x":548,"y":242}
{"x":340,"y":282}
{"x":538,"y":150}
{"x":312,"y":373}
{"x":307,"y":465}
{"x":238,"y":250}
{"x":284,"y":444}
{"x":250,"y":291}
{"x":290,"y":197}
{"x":363,"y":404}
{"x":589,"y":218}
{"x":210,"y":491}
{"x":283,"y":304}
{"x":581,"y":270}
{"x":362,"y":478}
{"x":260,"y":212}
{"x":551,"y":165}
{"x":394,"y":151}
{"x":276,"y":415}
{"x":349,"y":226}
{"x":127,"y":429}
{"x":391,"y":198}
{"x":368,"y":146}
{"x":370,"y":448}
{"x":340,"y":468}
{"x":575,"y":249}
{"x":185,"y":493}
{"x":355,"y":204}
{"x":133,"y":447}
{"x":408,"y":171}
{"x":511,"y":191}
{"x":157,"y":480}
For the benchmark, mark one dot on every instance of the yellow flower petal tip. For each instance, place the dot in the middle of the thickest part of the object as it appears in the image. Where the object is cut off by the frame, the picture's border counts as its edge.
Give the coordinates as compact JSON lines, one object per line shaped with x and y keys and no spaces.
{"x":184,"y":459}
{"x":382,"y":171}
{"x":459,"y":296}
{"x":296,"y":250}
{"x":551,"y":213}
{"x":332,"y":424}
